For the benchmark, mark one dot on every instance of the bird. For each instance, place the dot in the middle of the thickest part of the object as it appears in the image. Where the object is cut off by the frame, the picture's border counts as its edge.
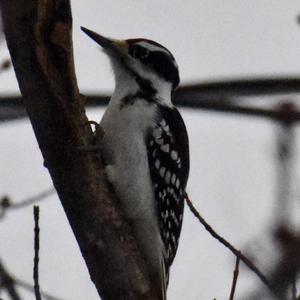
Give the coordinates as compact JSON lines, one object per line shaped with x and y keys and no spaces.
{"x":145,"y":148}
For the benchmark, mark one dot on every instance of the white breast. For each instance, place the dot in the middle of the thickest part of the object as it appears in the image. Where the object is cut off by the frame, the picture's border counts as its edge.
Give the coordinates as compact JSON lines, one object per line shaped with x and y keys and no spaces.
{"x":124,"y":146}
{"x":128,"y":171}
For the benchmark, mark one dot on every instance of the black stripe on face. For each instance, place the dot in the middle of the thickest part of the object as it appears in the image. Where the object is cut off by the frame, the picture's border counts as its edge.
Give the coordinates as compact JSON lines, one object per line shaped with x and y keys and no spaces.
{"x":160,"y":62}
{"x":164,"y":66}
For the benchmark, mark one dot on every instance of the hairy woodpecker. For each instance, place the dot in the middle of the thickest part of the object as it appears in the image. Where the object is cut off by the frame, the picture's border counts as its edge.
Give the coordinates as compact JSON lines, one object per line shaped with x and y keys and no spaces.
{"x":145,"y":147}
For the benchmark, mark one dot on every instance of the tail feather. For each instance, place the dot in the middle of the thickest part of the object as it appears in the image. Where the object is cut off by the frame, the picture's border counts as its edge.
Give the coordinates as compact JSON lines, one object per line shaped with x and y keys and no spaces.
{"x":164,"y":280}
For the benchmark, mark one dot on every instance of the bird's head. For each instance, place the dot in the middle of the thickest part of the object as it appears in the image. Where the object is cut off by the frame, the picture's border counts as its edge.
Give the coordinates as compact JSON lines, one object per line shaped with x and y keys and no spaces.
{"x":150,"y":64}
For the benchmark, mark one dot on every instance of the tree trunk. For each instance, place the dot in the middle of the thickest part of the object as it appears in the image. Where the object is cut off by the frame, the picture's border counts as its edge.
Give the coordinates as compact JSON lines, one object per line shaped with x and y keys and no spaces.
{"x":38,"y":34}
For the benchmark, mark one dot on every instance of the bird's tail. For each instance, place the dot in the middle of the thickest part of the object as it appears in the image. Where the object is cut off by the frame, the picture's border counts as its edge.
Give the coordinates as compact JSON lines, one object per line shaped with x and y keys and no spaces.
{"x":164,"y":280}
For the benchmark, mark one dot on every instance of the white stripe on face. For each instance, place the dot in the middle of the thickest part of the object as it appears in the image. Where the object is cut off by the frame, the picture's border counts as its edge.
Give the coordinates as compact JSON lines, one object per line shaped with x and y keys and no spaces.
{"x":152,"y":47}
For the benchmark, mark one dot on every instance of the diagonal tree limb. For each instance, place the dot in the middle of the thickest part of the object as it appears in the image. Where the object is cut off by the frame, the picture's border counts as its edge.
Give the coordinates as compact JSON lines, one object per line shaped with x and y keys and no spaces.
{"x":229,"y":246}
{"x":247,"y":86}
{"x":6,"y":203}
{"x":36,"y":259}
{"x":235,"y":278}
{"x":38,"y":35}
{"x":8,"y":283}
{"x":27,"y":286}
{"x":11,"y":107}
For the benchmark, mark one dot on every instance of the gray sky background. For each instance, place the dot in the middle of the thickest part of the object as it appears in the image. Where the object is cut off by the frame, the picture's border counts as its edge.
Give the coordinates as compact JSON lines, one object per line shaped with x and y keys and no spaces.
{"x":232,"y":158}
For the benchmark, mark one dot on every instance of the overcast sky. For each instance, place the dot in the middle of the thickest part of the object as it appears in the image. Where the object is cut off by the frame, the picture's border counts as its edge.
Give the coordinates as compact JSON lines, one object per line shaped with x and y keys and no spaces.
{"x":209,"y":40}
{"x":232,"y":179}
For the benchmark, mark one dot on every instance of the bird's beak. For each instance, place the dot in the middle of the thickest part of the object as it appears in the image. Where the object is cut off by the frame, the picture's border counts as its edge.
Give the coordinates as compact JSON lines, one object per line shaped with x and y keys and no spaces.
{"x":109,"y":45}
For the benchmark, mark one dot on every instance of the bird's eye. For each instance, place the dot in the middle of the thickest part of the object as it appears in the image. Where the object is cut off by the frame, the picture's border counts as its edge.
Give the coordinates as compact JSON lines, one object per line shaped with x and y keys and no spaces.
{"x":139,"y":52}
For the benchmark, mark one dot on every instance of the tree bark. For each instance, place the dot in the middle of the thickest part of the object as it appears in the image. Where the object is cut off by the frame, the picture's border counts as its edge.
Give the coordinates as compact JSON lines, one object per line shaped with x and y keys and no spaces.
{"x":38,"y":34}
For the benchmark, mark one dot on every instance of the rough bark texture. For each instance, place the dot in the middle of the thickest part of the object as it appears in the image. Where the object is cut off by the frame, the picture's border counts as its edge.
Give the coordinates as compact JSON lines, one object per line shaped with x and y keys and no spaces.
{"x":38,"y":34}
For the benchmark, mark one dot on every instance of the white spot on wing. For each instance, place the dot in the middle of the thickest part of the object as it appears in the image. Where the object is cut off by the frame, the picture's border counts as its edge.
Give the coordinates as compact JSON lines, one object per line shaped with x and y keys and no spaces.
{"x":173,"y":238}
{"x":174,"y":154}
{"x":175,"y":220}
{"x":173,"y":179}
{"x":167,"y":128}
{"x":163,"y":122}
{"x":157,"y":163}
{"x":168,"y":177}
{"x":157,"y":133}
{"x":154,"y":152}
{"x":165,"y":148}
{"x":167,"y":234}
{"x":162,"y":171}
{"x":159,"y":141}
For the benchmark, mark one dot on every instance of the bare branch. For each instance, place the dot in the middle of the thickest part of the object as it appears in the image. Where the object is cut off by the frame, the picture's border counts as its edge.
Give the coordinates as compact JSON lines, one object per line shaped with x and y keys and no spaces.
{"x":27,"y":286}
{"x":219,"y":96}
{"x":235,"y":277}
{"x":38,"y":35}
{"x":236,"y":252}
{"x":36,"y":214}
{"x":33,"y":199}
{"x":12,"y":108}
{"x":286,"y":270}
{"x":7,"y":282}
{"x":251,"y":86}
{"x":6,"y":204}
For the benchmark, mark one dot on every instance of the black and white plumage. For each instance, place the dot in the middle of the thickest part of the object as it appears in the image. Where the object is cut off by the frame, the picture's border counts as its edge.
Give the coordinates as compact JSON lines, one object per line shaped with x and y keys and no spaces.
{"x":145,"y":148}
{"x":169,"y":167}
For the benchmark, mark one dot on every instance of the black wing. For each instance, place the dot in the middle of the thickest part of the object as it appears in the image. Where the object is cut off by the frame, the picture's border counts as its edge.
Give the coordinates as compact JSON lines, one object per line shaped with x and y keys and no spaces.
{"x":168,"y":155}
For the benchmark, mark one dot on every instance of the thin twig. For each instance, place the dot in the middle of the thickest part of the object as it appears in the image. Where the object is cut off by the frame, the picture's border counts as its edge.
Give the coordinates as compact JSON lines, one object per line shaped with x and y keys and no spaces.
{"x":11,"y":108}
{"x":31,"y":200}
{"x":284,"y":273}
{"x":36,"y":213}
{"x":235,"y":277}
{"x":7,"y":282}
{"x":217,"y":96}
{"x":6,"y":204}
{"x":236,"y":252}
{"x":27,"y":286}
